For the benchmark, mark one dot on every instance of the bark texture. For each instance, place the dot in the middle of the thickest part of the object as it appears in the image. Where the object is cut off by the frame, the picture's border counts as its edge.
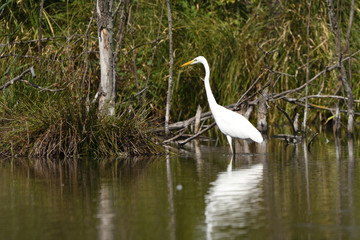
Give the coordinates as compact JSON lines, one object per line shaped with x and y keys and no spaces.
{"x":107,"y":90}
{"x":169,"y":92}
{"x":262,"y":125}
{"x":343,"y":76}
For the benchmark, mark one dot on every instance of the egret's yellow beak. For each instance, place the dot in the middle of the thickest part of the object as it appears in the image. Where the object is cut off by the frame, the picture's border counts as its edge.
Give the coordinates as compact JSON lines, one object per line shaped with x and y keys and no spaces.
{"x":188,"y":63}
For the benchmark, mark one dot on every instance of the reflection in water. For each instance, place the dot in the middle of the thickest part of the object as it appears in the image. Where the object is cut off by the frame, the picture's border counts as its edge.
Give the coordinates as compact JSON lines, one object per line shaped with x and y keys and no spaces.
{"x":350,"y":187}
{"x":338,"y":149}
{"x":171,"y":195}
{"x":198,"y":155}
{"x":308,"y":204}
{"x":233,"y":197}
{"x":105,"y":214}
{"x":291,"y":194}
{"x":306,"y":161}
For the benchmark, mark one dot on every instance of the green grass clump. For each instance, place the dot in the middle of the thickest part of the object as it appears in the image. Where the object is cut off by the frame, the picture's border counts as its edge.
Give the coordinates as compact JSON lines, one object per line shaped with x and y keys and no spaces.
{"x":63,"y":124}
{"x":64,"y":129}
{"x":228,"y":33}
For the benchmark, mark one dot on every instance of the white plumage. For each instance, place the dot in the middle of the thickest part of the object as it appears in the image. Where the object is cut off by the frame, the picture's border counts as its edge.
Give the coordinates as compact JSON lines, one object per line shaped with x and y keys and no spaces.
{"x":232,"y":124}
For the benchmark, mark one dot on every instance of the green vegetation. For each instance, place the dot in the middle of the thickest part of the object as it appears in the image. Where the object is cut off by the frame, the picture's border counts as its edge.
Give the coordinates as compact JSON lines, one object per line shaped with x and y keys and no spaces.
{"x":227,"y":33}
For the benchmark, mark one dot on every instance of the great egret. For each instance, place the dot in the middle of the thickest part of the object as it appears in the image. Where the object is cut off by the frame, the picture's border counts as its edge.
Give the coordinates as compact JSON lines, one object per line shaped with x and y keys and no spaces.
{"x":232,"y":124}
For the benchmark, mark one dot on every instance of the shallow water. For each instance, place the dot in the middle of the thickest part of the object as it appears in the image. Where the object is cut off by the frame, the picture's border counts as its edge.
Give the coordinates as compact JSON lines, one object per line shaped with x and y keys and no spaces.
{"x":268,"y":191}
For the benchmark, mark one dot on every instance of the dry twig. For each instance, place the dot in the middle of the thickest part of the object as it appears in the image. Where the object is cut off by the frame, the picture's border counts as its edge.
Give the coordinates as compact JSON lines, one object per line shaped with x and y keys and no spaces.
{"x":20,"y":79}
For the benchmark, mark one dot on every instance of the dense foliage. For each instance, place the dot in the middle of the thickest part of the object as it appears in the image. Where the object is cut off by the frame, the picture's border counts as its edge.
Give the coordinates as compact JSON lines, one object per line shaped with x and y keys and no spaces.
{"x":229,"y":33}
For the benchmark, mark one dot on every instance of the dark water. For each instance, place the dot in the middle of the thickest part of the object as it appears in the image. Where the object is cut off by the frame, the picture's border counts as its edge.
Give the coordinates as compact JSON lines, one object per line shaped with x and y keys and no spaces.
{"x":268,"y":191}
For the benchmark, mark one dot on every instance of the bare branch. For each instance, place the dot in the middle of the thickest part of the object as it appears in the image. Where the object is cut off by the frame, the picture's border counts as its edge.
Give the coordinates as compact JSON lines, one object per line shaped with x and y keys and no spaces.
{"x":20,"y":79}
{"x":328,"y":96}
{"x":121,"y":31}
{"x":176,"y":136}
{"x":197,"y":134}
{"x":300,"y":103}
{"x":279,"y":95}
{"x":117,"y":9}
{"x":281,"y":73}
{"x":252,"y":85}
{"x":351,"y":20}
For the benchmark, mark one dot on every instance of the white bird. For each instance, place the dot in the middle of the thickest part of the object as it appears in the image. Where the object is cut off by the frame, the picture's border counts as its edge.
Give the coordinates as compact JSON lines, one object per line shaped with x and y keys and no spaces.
{"x":233,"y":200}
{"x":230,"y":123}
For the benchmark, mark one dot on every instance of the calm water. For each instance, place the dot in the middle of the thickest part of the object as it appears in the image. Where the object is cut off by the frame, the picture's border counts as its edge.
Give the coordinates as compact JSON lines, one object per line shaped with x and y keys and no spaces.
{"x":268,"y":191}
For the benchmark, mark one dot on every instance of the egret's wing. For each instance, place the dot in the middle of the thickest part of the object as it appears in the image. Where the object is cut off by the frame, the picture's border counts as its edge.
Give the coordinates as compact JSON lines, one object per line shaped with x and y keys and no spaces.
{"x":235,"y":125}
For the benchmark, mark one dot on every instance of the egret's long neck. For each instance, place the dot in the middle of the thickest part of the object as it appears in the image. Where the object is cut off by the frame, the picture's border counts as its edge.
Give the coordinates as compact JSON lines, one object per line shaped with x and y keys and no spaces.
{"x":209,"y":94}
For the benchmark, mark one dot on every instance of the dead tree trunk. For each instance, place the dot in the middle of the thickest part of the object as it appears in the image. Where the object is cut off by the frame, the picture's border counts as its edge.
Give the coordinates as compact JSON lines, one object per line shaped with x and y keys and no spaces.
{"x":336,"y":30}
{"x":307,"y":67}
{"x":262,"y":112}
{"x":197,"y":119}
{"x":105,"y":33}
{"x":349,"y":86}
{"x":169,"y":92}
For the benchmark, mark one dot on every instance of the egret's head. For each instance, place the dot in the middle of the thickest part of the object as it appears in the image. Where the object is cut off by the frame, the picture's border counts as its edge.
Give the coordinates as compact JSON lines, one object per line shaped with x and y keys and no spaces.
{"x":196,"y":60}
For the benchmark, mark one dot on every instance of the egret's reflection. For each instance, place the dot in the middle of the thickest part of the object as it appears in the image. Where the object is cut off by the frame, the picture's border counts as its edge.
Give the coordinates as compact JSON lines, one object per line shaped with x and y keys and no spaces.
{"x":233,"y":196}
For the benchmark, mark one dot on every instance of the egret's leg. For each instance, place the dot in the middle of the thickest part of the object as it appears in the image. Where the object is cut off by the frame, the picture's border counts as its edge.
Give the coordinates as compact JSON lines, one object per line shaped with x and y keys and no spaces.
{"x":230,"y":143}
{"x":229,"y":168}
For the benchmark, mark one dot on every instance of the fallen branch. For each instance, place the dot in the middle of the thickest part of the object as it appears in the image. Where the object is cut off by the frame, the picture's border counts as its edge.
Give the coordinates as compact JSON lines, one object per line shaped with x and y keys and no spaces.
{"x":176,"y":136}
{"x":19,"y":79}
{"x":297,"y":101}
{"x":183,"y":124}
{"x":197,"y":134}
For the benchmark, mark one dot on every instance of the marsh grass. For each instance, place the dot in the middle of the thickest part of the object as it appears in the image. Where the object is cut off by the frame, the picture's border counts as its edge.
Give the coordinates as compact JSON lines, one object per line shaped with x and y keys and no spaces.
{"x":66,"y":130}
{"x":235,"y":60}
{"x":39,"y":123}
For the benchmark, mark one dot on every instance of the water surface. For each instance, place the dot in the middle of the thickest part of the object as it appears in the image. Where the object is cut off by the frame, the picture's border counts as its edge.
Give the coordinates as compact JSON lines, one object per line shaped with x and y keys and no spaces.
{"x":268,"y":191}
